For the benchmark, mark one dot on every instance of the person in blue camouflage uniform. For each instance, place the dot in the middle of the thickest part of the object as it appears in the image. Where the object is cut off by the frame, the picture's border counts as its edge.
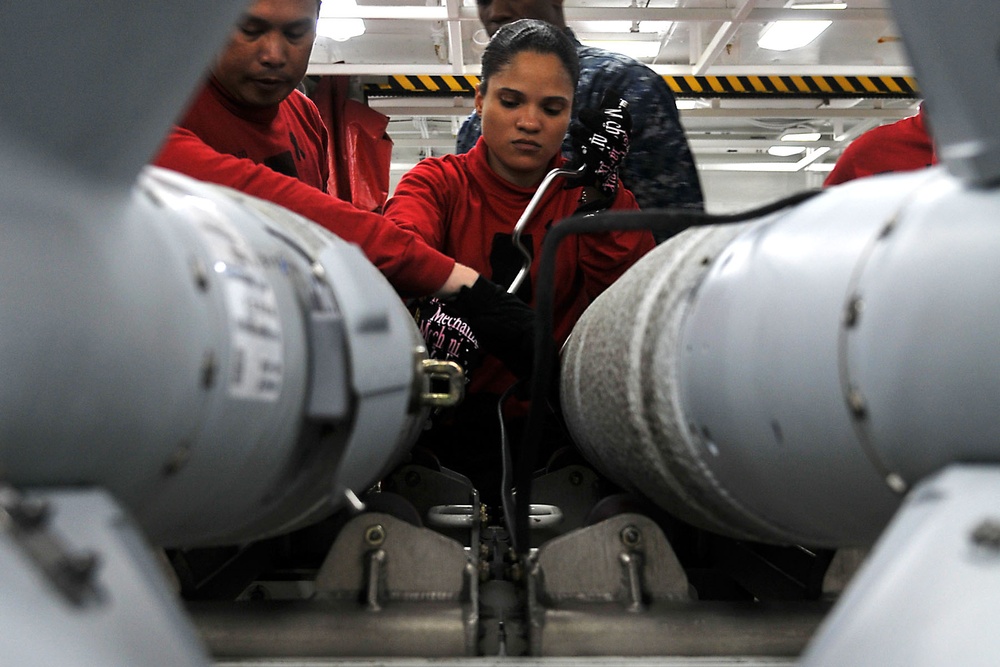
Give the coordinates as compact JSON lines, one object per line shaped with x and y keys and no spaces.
{"x":659,"y":168}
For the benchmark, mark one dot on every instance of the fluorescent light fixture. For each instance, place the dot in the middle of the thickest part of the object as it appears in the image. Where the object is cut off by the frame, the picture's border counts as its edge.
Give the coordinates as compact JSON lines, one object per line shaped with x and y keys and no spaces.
{"x":807,"y":163}
{"x":331,"y":24}
{"x":583,"y":27}
{"x":821,"y":5}
{"x":788,"y":35}
{"x":638,"y":49}
{"x":778,"y":167}
{"x":785,"y":151}
{"x":800,"y":136}
{"x":340,"y":30}
{"x":688,"y":104}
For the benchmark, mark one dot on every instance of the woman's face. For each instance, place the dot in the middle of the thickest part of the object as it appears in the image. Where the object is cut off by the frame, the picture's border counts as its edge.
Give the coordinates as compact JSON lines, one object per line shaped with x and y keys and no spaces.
{"x":525,"y":113}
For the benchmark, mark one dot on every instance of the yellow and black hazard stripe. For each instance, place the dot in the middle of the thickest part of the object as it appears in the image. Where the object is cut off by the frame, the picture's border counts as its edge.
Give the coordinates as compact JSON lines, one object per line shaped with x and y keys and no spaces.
{"x":799,"y":86}
{"x":420,"y":84}
{"x":688,"y":86}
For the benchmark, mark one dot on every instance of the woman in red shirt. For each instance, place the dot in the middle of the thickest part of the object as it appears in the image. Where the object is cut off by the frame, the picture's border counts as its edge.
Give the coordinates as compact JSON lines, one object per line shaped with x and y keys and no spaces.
{"x":466,"y":206}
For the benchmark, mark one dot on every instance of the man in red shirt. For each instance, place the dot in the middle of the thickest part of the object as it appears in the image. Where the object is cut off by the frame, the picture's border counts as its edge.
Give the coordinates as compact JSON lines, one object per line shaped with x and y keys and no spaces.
{"x":248,"y":128}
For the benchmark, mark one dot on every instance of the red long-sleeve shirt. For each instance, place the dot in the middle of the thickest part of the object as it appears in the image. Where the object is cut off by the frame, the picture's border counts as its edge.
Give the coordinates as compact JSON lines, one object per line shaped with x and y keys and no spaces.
{"x":221,"y":143}
{"x":460,"y":206}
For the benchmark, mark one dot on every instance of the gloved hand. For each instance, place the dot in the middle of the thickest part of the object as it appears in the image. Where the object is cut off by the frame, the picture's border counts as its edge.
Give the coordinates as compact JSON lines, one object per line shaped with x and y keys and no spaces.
{"x":503,"y":325}
{"x":600,"y":140}
{"x":447,"y":335}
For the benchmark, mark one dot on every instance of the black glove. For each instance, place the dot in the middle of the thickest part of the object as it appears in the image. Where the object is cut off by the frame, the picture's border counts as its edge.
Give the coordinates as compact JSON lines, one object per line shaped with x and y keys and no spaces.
{"x":502,"y":323}
{"x":600,"y":140}
{"x":447,"y":335}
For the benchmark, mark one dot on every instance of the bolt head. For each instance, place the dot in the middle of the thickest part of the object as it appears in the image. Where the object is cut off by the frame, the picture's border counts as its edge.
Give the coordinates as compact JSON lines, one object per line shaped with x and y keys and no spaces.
{"x":631,"y":536}
{"x":375,"y":535}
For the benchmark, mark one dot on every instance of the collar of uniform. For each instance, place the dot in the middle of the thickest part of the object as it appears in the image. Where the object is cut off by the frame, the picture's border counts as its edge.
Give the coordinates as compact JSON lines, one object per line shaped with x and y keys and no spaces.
{"x":260,"y":115}
{"x":479,"y":163}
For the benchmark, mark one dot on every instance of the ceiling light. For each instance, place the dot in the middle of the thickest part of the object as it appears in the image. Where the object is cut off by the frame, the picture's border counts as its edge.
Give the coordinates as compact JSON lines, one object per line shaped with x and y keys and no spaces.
{"x":777,"y":167}
{"x":334,"y":25}
{"x":800,"y":135}
{"x":821,"y":5}
{"x":788,"y":35}
{"x":786,"y":151}
{"x":688,"y":104}
{"x":340,"y":30}
{"x":583,"y":27}
{"x":635,"y":48}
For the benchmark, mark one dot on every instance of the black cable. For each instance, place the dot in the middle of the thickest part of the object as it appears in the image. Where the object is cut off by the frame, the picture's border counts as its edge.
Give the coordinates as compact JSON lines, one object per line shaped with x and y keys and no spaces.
{"x":507,"y":468}
{"x":670,"y":221}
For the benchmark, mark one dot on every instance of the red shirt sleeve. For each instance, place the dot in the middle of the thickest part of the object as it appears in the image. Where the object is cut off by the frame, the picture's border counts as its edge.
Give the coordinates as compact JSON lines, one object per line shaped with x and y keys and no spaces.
{"x":419,"y":203}
{"x":407,"y":262}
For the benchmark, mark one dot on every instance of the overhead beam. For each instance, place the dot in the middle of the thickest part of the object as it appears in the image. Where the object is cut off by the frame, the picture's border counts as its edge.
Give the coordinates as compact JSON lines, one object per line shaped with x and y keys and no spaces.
{"x":696,"y":141}
{"x":721,"y":14}
{"x":389,"y":69}
{"x":455,"y":47}
{"x":462,"y":106}
{"x":793,"y":113}
{"x":722,"y":37}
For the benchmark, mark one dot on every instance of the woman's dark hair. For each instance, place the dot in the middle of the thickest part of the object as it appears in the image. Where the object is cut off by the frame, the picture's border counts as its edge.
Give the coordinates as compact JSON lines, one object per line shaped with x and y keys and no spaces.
{"x":528,"y":35}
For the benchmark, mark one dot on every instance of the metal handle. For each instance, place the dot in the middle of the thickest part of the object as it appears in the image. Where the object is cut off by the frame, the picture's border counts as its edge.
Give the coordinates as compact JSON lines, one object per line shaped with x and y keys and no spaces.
{"x":451,"y":516}
{"x":543,"y":516}
{"x":462,"y":516}
{"x":526,"y":215}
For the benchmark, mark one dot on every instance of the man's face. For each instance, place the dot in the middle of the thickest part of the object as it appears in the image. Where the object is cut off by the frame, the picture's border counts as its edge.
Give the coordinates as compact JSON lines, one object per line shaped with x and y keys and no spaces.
{"x":268,"y":52}
{"x":495,"y":13}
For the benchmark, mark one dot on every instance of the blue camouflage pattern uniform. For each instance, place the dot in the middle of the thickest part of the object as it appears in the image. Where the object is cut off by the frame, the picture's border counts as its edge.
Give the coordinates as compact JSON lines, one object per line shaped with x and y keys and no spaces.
{"x":659,"y":168}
